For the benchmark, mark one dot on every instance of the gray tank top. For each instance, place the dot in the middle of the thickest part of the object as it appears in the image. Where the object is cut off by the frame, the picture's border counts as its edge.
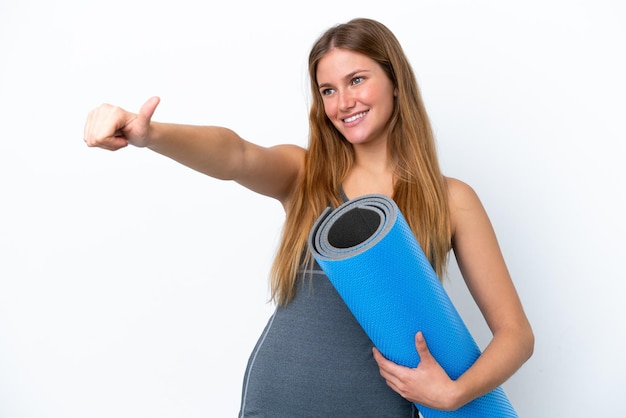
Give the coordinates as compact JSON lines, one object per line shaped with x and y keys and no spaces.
{"x":313,"y":360}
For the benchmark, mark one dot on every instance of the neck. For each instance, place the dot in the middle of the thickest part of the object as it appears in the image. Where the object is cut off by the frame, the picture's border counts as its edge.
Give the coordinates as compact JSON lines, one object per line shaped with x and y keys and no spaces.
{"x":371,"y":173}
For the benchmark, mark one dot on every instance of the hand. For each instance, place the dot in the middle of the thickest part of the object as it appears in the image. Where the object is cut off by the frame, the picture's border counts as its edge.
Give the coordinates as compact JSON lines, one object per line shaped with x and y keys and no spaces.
{"x":428,"y":384}
{"x":112,"y":128}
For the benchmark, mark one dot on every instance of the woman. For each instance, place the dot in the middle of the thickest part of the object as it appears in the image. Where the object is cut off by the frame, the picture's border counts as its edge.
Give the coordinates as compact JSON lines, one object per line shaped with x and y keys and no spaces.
{"x":369,"y":133}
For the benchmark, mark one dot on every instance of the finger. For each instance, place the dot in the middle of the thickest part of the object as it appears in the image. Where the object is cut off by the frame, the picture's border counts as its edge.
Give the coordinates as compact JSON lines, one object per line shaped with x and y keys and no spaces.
{"x":388,"y":369}
{"x":101,"y":126}
{"x":112,"y":143}
{"x":382,"y":361}
{"x":394,"y":375}
{"x":148,"y":108}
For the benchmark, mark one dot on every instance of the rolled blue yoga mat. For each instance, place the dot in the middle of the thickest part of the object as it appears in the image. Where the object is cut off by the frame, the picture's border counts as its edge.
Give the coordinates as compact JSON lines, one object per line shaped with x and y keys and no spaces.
{"x":372,"y":258}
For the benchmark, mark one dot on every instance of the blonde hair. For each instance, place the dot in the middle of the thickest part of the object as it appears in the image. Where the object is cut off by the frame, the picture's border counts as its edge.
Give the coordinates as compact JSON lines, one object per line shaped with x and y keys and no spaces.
{"x":419,"y":188}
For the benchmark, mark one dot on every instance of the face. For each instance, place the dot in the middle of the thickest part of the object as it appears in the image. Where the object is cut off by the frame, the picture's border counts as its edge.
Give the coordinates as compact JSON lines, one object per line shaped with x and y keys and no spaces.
{"x":357,"y":94}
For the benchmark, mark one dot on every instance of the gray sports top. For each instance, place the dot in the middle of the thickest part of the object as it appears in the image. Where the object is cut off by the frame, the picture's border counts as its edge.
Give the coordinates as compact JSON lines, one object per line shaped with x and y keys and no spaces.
{"x":313,"y":360}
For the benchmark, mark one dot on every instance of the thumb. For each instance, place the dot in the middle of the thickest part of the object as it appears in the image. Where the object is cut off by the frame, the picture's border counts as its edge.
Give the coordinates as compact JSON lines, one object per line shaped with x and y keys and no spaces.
{"x":422,"y":347}
{"x":148,"y":108}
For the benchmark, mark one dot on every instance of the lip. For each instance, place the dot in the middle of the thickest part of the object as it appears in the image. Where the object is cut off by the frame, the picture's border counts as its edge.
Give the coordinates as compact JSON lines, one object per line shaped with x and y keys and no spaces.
{"x":354,"y":117}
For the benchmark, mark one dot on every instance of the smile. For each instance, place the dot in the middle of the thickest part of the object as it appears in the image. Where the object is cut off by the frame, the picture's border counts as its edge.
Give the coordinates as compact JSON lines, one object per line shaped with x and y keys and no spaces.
{"x":354,"y":117}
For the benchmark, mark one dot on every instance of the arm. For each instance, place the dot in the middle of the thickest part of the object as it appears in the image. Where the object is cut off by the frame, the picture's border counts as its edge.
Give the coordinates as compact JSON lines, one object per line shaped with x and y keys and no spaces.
{"x":215,"y":151}
{"x":482,"y":265}
{"x":483,"y":268}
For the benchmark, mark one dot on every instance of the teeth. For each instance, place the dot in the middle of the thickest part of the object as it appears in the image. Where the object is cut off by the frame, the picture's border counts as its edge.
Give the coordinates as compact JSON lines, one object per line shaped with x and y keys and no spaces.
{"x":355,"y":117}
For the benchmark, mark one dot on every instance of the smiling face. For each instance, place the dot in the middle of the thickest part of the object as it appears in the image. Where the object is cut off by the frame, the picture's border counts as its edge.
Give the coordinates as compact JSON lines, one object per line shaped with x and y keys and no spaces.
{"x":358,"y":96}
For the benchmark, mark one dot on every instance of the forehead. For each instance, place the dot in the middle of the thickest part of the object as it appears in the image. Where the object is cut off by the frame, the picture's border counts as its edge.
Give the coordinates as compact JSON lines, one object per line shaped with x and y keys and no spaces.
{"x":339,"y":63}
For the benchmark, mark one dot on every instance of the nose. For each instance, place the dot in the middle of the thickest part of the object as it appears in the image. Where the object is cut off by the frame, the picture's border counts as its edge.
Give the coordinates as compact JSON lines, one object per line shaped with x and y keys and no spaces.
{"x":346,"y":100}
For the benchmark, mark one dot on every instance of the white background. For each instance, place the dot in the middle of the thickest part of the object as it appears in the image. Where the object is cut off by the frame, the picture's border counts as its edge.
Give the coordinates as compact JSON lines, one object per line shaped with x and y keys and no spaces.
{"x":131,"y":286}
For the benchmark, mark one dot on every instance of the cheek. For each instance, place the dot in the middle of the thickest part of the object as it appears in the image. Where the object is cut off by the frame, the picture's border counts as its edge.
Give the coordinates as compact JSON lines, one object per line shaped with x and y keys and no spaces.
{"x":329,"y":108}
{"x":389,"y":103}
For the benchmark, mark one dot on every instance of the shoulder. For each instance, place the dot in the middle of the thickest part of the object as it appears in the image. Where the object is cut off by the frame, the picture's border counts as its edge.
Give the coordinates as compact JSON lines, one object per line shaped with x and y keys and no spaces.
{"x":290,"y":159}
{"x":464,"y":204}
{"x":460,"y":193}
{"x":288,"y":167}
{"x":290,"y":151}
{"x":271,"y":171}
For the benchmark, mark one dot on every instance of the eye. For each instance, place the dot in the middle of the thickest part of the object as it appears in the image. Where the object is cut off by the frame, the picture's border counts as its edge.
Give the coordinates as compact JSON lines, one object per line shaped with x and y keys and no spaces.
{"x":327,"y":92}
{"x":357,"y":80}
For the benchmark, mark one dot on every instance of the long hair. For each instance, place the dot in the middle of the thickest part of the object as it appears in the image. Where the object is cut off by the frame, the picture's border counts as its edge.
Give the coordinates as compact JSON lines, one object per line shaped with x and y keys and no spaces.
{"x":419,"y":187}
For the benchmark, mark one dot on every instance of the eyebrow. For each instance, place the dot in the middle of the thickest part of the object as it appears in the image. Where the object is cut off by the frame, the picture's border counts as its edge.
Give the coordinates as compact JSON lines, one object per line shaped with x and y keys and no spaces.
{"x":348,"y":76}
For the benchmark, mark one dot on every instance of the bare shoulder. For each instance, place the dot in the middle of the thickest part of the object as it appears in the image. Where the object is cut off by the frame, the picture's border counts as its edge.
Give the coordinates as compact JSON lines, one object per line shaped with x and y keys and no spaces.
{"x":464,"y":204}
{"x":293,"y":158}
{"x":292,"y":151}
{"x":461,"y":195}
{"x":272,"y":171}
{"x":288,"y":160}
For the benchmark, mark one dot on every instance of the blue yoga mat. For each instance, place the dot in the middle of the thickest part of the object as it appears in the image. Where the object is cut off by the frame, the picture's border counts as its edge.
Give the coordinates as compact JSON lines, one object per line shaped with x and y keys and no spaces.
{"x":372,"y":258}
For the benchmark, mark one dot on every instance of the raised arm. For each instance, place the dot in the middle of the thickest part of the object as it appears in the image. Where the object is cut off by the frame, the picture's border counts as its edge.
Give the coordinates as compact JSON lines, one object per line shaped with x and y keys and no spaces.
{"x":216,"y":151}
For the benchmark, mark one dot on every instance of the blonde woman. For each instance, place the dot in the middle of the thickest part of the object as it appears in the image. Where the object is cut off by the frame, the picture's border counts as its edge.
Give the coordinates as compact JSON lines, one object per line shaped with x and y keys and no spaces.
{"x":369,"y":133}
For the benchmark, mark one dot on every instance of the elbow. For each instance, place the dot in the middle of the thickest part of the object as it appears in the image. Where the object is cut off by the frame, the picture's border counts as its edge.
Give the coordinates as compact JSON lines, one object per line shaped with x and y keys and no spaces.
{"x":530,"y":343}
{"x":521,"y":334}
{"x":526,"y":342}
{"x":521,"y":341}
